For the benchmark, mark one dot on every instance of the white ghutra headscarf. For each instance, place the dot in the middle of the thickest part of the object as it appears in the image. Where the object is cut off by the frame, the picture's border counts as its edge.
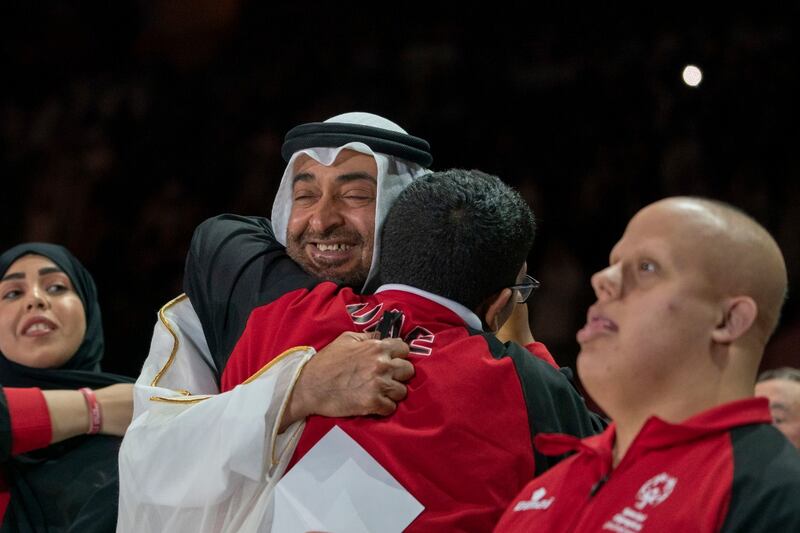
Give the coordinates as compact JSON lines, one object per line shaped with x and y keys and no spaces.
{"x":400,"y":158}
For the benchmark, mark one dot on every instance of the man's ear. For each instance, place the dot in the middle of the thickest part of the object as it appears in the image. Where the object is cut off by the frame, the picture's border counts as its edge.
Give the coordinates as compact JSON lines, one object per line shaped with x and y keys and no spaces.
{"x":498,"y":309}
{"x":739,"y":315}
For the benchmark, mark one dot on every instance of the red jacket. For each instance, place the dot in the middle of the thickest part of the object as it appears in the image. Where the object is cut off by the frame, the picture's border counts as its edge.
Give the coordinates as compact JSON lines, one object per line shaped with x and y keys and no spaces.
{"x":726,"y":469}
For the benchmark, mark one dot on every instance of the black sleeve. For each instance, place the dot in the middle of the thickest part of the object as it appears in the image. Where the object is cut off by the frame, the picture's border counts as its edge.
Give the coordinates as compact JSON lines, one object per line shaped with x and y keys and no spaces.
{"x":766,"y":482}
{"x":5,"y":428}
{"x":554,"y":404}
{"x":234,"y":265}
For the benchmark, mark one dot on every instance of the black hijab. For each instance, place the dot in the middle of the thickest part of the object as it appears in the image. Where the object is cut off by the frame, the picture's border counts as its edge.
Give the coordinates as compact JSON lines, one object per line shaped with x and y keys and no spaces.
{"x":71,"y":485}
{"x":83,"y":369}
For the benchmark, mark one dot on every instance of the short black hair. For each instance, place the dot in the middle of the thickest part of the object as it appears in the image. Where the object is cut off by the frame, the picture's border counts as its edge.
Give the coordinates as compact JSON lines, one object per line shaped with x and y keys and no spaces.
{"x":461,"y":234}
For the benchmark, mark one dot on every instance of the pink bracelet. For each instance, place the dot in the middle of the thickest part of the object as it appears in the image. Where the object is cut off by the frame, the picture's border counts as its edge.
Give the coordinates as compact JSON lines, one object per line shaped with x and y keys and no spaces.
{"x":95,"y":415}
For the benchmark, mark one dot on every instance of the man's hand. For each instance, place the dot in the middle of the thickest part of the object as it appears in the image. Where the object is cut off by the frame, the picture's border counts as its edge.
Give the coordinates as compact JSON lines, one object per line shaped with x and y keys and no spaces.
{"x":517,"y":328}
{"x":354,"y":375}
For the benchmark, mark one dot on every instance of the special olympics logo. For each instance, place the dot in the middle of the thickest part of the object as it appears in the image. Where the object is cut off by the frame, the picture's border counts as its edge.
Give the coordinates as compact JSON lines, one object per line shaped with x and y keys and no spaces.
{"x":655,"y":491}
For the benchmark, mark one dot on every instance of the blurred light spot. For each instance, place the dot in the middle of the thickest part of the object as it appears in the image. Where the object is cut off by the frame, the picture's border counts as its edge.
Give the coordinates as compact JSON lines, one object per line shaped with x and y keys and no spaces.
{"x":692,"y":76}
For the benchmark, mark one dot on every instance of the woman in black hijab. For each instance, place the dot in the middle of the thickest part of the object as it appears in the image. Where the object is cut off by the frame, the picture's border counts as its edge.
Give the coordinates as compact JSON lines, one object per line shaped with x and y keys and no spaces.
{"x":57,"y":474}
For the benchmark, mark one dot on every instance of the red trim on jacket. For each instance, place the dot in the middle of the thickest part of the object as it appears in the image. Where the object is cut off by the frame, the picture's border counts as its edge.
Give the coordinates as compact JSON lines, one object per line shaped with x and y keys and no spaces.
{"x":540,"y":350}
{"x":30,"y":429}
{"x":5,"y":496}
{"x":30,"y":419}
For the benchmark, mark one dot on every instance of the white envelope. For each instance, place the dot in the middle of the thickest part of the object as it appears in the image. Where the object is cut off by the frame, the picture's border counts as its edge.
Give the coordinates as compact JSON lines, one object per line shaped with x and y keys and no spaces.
{"x":339,"y":488}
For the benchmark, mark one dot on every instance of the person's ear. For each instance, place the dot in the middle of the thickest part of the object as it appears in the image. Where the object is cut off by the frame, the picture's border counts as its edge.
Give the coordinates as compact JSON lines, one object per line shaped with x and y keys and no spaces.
{"x":498,"y":309}
{"x":739,"y":314}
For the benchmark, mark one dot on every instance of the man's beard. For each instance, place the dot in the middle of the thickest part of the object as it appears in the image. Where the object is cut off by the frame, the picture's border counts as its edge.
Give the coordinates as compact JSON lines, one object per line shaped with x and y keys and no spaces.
{"x":356,"y":277}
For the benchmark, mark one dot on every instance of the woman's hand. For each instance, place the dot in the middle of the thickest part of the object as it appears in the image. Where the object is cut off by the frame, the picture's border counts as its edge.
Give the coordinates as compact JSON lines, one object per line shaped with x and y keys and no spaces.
{"x":69,"y":414}
{"x":116,"y":404}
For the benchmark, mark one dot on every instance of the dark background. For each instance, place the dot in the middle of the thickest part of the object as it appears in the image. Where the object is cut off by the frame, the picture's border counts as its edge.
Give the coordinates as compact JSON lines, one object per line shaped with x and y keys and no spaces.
{"x":125,"y":125}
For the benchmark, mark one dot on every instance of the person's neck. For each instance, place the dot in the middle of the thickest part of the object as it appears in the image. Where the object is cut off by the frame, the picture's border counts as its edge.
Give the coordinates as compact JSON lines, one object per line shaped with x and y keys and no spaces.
{"x":673,"y":407}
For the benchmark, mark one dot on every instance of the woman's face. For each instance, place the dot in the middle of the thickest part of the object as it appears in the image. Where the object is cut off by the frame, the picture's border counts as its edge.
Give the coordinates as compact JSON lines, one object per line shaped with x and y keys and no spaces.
{"x":42,"y":320}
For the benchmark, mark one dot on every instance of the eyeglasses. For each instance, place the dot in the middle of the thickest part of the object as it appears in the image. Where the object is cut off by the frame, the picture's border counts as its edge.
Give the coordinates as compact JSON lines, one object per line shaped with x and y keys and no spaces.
{"x":525,"y":289}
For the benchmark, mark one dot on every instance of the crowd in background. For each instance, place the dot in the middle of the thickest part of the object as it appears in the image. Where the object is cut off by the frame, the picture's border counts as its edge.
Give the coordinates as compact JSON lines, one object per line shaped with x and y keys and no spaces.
{"x":122,"y":128}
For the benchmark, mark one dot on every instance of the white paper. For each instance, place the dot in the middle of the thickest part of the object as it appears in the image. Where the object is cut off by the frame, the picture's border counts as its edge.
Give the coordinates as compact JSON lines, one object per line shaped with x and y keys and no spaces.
{"x":338,"y":487}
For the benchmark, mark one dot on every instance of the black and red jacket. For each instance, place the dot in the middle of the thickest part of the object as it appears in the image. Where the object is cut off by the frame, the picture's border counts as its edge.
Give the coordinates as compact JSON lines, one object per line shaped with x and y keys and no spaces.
{"x":460,"y":443}
{"x":24,"y":426}
{"x":725,"y":469}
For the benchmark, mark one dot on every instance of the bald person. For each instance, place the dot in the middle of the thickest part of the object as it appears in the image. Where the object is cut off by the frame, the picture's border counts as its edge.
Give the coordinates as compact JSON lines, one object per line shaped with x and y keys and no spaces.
{"x":670,"y":352}
{"x":781,"y":386}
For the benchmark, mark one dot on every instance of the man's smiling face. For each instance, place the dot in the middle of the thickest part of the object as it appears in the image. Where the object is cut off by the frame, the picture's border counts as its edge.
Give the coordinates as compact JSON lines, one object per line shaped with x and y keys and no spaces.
{"x":332,"y":221}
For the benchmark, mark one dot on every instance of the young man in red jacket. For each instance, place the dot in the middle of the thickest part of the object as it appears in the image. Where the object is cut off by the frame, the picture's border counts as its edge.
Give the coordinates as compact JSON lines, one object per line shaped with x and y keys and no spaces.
{"x":670,"y":352}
